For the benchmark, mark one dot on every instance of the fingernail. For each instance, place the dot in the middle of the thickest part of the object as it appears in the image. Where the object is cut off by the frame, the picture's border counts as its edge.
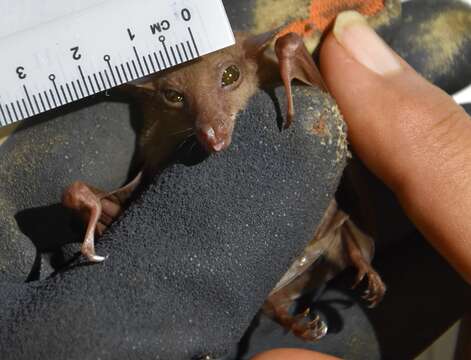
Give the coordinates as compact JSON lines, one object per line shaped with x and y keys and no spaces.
{"x":353,"y":32}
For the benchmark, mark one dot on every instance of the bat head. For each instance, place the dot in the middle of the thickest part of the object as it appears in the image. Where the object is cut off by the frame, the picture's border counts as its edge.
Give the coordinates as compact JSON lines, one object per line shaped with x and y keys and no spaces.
{"x":203,"y":97}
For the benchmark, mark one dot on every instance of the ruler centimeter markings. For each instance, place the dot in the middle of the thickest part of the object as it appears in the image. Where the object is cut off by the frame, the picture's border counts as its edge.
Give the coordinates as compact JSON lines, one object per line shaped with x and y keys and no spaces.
{"x":101,"y":47}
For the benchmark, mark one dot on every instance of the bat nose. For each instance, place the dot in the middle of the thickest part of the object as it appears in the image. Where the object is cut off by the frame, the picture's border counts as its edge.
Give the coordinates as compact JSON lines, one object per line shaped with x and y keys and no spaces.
{"x":212,"y":140}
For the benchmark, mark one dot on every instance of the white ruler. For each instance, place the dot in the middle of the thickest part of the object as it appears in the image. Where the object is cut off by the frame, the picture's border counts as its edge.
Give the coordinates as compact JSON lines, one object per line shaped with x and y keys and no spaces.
{"x":103,"y":46}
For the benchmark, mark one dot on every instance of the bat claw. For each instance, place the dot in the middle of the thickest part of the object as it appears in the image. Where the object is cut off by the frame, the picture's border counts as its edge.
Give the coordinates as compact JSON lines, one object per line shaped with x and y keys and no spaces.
{"x":322,"y":330}
{"x":96,"y":258}
{"x":204,"y":357}
{"x":316,"y":331}
{"x":376,"y":288}
{"x":289,"y":121}
{"x":299,"y":318}
{"x":301,"y":324}
{"x":315,"y":321}
{"x":372,"y":305}
{"x":88,"y":250}
{"x":311,"y":330}
{"x":361,"y":275}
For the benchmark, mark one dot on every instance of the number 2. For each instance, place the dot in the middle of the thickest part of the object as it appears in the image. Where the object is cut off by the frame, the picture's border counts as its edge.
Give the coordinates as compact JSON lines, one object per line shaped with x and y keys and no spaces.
{"x":75,"y":52}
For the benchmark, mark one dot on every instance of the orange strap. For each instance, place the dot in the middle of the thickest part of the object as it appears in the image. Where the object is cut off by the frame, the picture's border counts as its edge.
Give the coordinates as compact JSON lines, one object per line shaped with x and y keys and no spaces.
{"x":323,"y":12}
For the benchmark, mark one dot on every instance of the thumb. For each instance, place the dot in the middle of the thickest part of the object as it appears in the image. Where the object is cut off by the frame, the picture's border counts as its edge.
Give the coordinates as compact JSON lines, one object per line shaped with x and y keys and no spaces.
{"x":407,"y":131}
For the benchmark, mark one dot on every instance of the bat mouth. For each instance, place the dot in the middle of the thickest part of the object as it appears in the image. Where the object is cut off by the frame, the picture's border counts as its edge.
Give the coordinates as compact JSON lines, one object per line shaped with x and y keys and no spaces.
{"x":191,"y":152}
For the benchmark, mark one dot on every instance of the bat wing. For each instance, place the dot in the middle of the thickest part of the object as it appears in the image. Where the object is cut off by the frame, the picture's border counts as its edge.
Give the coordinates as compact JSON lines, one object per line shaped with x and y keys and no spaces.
{"x":295,"y":62}
{"x":328,"y":235}
{"x":301,"y":264}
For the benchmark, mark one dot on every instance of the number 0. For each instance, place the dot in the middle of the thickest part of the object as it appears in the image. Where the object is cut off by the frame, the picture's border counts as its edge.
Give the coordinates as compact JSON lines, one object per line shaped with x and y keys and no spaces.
{"x":186,"y":15}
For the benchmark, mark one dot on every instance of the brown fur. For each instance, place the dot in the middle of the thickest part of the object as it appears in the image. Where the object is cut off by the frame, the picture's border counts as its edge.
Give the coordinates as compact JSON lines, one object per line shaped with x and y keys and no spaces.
{"x":209,"y":109}
{"x":165,"y":125}
{"x":206,"y":104}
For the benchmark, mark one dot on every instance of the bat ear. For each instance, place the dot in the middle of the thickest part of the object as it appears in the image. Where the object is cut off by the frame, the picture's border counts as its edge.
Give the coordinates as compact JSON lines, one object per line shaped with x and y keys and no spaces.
{"x":145,"y":87}
{"x":256,"y":44}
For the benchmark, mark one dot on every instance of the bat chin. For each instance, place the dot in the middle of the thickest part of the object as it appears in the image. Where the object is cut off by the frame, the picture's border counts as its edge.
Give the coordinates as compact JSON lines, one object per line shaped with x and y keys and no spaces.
{"x":222,"y":145}
{"x":215,"y":147}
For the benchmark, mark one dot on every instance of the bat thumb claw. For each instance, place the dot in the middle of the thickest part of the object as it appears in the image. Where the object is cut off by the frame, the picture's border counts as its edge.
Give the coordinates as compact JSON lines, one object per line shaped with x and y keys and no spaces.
{"x":289,"y":120}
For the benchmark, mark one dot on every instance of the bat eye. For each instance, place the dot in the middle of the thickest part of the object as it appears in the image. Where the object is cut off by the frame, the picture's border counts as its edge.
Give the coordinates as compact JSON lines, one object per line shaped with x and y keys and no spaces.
{"x":230,"y":75}
{"x":173,"y":96}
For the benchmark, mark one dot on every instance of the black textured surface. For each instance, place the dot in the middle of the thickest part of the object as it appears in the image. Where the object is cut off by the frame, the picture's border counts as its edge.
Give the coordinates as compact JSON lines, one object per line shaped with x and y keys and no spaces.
{"x":240,"y":14}
{"x":467,"y":107}
{"x":39,"y":160}
{"x":193,"y":258}
{"x":425,"y":297}
{"x":434,"y":38}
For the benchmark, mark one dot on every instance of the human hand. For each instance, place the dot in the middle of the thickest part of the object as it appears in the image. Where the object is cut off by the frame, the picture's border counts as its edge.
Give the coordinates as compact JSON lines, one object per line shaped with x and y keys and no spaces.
{"x":292,"y":354}
{"x":408,"y":132}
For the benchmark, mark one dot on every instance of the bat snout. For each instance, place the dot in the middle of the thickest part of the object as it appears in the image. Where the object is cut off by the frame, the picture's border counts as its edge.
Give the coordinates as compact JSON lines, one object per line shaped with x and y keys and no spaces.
{"x":213,"y":139}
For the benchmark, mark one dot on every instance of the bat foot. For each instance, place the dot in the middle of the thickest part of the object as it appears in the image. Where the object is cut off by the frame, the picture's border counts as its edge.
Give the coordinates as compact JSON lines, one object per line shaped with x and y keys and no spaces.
{"x":360,"y":248}
{"x":376,"y":288}
{"x":98,"y":209}
{"x":317,"y":330}
{"x":309,"y":330}
{"x":88,"y":250}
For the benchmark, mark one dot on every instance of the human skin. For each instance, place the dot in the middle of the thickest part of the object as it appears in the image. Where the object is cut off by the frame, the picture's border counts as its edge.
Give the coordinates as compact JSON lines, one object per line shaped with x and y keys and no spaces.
{"x":408,"y":132}
{"x":292,"y":354}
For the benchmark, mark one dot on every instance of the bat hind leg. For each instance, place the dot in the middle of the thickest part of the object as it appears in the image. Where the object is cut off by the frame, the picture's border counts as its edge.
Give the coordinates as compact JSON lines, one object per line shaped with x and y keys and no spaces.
{"x":98,"y":209}
{"x":81,"y":198}
{"x":301,"y":325}
{"x":359,"y":256}
{"x":307,"y":329}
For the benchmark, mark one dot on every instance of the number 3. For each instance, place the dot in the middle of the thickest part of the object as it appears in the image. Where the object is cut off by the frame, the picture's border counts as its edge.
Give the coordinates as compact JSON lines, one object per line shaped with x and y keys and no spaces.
{"x":20,"y":71}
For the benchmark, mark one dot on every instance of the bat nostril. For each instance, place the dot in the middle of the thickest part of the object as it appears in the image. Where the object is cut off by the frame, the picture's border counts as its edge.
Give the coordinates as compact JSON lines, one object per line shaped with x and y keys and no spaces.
{"x":210,"y":135}
{"x":207,"y":135}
